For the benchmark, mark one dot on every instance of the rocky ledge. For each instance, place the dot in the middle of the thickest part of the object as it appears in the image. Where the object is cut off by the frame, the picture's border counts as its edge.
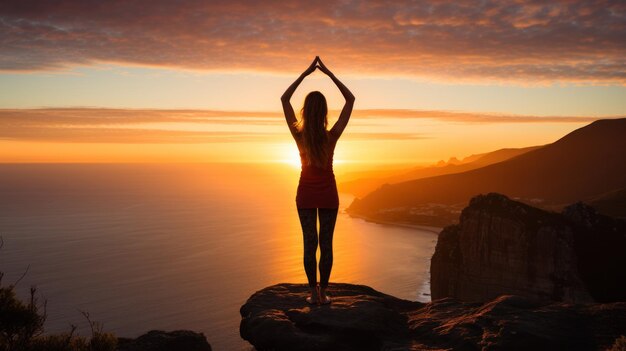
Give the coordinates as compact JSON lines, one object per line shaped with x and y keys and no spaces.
{"x":157,"y":340}
{"x":361,"y":318}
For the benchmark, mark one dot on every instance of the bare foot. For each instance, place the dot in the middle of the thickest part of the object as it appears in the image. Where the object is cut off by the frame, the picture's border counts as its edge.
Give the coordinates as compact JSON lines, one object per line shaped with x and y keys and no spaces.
{"x":322,"y":297}
{"x":311,"y":300}
{"x":314,"y":298}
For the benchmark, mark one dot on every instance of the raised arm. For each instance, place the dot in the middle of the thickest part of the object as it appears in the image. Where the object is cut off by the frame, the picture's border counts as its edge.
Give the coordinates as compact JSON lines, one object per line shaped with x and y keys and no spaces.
{"x":290,"y":115}
{"x":346,"y":111}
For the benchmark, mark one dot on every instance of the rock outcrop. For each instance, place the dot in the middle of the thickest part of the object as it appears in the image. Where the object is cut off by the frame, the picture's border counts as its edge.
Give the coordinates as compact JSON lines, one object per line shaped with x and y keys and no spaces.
{"x":361,"y":318}
{"x":157,"y":340}
{"x":501,"y":246}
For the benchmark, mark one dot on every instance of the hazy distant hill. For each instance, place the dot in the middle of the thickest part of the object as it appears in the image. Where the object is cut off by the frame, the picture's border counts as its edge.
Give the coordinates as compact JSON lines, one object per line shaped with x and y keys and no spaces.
{"x":379,"y":171}
{"x":584,"y":165}
{"x":369,"y":182}
{"x":612,"y":203}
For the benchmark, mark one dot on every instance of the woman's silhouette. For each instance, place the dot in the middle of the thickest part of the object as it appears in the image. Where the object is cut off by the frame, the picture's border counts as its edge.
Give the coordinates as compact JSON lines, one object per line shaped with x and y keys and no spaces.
{"x":317,"y":189}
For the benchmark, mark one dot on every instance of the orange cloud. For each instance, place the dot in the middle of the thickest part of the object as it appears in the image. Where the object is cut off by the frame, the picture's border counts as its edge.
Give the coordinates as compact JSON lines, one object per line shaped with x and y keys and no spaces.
{"x":98,"y":125}
{"x":527,"y":41}
{"x":473,"y":117}
{"x":101,"y":125}
{"x":111,"y":116}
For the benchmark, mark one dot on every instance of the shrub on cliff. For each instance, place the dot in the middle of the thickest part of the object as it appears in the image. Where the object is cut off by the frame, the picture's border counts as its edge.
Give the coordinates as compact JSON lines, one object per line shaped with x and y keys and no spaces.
{"x":22,"y":326}
{"x":19,"y":322}
{"x":619,"y":345}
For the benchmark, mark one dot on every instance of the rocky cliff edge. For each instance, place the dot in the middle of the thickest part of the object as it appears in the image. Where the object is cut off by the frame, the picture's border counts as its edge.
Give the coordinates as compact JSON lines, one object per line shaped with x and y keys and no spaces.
{"x":361,"y":318}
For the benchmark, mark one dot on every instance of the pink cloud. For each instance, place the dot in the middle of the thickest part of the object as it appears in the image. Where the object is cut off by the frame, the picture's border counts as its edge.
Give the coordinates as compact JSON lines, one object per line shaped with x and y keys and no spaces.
{"x":518,"y":40}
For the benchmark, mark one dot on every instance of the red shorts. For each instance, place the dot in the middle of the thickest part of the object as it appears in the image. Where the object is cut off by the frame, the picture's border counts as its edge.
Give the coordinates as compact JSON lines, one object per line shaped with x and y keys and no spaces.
{"x":317,"y":191}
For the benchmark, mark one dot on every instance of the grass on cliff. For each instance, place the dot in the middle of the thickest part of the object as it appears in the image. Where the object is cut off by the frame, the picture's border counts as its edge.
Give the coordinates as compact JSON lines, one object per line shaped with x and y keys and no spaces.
{"x":619,"y":345}
{"x":22,"y":326}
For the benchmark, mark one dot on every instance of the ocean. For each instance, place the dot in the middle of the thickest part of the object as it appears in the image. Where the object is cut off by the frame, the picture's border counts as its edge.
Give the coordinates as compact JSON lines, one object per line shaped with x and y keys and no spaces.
{"x":180,"y":246}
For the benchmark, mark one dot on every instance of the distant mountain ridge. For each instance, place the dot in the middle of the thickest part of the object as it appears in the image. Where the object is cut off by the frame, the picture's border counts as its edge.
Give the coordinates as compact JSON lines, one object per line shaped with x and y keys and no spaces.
{"x":581,"y":166}
{"x":362,"y":186}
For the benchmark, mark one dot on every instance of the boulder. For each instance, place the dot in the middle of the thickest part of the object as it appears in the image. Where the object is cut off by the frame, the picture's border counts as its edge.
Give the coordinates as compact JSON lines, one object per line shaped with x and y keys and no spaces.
{"x":157,"y":340}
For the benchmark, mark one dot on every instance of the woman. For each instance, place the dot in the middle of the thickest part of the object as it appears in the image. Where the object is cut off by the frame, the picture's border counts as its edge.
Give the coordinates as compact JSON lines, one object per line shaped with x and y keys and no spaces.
{"x":317,"y":189}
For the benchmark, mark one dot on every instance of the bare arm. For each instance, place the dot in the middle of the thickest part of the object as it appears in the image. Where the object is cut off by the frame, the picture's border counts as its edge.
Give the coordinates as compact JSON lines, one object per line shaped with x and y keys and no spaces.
{"x":346,"y":111}
{"x":290,"y":115}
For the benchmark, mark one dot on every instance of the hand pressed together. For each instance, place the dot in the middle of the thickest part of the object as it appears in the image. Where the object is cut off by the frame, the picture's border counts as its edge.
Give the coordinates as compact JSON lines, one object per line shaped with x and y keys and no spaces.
{"x":317,"y":63}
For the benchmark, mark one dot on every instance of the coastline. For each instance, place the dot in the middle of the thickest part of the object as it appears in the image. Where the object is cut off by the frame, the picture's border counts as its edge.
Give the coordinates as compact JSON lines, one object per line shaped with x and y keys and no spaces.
{"x":434,"y":230}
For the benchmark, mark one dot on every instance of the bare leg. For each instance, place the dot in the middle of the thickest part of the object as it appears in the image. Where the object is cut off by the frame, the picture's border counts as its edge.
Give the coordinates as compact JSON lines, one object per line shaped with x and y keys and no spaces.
{"x":308,"y":221}
{"x":328,"y":218}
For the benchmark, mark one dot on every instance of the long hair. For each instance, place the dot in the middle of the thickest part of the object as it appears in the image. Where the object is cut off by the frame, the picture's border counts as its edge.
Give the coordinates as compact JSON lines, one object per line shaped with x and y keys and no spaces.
{"x":312,"y":129}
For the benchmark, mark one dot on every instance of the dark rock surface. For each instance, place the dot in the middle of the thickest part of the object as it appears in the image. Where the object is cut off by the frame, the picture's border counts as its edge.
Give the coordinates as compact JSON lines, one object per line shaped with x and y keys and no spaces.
{"x":501,"y":246}
{"x":157,"y":340}
{"x":361,"y":318}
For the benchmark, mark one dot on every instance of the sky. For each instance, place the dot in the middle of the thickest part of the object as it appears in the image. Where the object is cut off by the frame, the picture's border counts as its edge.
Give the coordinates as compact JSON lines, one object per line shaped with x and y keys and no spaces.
{"x":200,"y":81}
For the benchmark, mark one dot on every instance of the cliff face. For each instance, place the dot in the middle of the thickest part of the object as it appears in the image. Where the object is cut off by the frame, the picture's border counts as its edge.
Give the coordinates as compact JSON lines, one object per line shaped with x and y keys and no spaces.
{"x":502,"y":246}
{"x":361,"y":318}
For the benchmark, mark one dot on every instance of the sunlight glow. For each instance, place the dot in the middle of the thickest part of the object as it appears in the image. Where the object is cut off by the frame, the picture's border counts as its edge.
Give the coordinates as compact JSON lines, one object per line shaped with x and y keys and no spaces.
{"x":290,"y":156}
